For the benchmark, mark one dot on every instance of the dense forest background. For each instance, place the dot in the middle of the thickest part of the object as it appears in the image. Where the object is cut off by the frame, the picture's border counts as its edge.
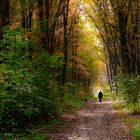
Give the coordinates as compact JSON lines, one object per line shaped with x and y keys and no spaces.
{"x":52,"y":52}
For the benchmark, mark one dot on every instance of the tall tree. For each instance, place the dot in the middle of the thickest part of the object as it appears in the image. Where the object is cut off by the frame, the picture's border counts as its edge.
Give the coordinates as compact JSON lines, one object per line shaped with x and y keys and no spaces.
{"x":4,"y":14}
{"x":65,"y":47}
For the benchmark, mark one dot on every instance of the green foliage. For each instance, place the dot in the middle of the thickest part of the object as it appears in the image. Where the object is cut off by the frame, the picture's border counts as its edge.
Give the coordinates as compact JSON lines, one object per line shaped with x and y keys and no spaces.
{"x":107,"y":95}
{"x":119,"y":104}
{"x":129,"y":89}
{"x":30,"y":87}
{"x":73,"y":101}
{"x":34,"y":137}
{"x":134,"y":124}
{"x":27,"y":88}
{"x":39,"y":137}
{"x":135,"y":132}
{"x":53,"y":124}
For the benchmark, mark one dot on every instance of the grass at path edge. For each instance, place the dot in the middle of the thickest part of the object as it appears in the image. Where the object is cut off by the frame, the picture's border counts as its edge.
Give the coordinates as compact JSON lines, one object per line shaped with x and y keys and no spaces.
{"x":132,"y":121}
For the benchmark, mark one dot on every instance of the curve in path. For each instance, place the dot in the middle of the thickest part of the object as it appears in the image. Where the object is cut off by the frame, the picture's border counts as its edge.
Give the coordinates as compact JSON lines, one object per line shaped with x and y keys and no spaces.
{"x":97,"y":121}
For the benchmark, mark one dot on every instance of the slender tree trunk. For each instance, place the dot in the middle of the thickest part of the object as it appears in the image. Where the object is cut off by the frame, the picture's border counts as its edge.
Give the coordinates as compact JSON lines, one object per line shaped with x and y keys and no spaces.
{"x":41,"y":14}
{"x":47,"y":30}
{"x":53,"y":27}
{"x":65,"y":47}
{"x":30,"y":20}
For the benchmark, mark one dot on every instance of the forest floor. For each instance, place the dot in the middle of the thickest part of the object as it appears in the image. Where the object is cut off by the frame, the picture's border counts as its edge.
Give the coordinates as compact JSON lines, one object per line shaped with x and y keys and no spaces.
{"x":96,"y":121}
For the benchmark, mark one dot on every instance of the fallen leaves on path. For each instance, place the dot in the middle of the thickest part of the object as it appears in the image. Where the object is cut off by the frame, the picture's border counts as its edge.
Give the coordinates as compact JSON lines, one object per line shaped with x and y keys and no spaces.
{"x":94,"y":122}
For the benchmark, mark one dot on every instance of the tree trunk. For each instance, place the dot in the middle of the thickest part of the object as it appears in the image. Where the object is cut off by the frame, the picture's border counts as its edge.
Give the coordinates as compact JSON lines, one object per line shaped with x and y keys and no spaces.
{"x":4,"y":15}
{"x":47,"y":16}
{"x":125,"y":59}
{"x":65,"y":47}
{"x":41,"y":15}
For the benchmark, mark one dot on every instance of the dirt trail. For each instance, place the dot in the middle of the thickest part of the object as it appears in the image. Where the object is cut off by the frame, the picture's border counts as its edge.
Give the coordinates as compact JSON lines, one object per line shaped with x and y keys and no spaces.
{"x":95,"y":122}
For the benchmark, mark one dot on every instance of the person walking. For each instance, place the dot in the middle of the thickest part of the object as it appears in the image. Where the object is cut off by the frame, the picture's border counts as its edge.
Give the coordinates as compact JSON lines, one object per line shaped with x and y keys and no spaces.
{"x":100,"y":96}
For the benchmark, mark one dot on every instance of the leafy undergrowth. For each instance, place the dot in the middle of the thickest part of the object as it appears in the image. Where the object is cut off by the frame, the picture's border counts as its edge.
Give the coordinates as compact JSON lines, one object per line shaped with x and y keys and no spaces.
{"x":37,"y":137}
{"x":53,"y":124}
{"x":39,"y":131}
{"x":119,"y":105}
{"x":107,"y":95}
{"x":134,"y":126}
{"x":132,"y":121}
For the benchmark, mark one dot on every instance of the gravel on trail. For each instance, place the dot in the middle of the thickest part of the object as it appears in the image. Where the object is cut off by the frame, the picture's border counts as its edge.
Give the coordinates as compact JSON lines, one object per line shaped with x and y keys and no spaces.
{"x":96,"y":121}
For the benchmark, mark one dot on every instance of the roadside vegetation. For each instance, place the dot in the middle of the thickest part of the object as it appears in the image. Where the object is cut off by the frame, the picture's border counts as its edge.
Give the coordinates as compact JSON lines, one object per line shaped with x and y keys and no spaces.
{"x":127,"y":102}
{"x":130,"y":120}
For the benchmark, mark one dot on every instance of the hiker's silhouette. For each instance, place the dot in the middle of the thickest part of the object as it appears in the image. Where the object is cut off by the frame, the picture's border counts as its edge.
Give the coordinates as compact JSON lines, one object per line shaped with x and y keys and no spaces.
{"x":100,"y":96}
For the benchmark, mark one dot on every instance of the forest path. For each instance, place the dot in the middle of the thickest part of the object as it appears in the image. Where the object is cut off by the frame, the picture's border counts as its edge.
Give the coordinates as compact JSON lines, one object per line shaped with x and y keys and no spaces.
{"x":97,"y":121}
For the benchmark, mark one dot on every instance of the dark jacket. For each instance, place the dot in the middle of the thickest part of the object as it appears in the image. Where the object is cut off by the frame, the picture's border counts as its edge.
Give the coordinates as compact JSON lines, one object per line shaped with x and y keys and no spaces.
{"x":100,"y":95}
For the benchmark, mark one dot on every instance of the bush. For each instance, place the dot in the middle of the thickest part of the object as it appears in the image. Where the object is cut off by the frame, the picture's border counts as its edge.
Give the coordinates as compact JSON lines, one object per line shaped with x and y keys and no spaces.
{"x":28,"y":91}
{"x":129,"y":89}
{"x":135,"y":132}
{"x":134,"y":125}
